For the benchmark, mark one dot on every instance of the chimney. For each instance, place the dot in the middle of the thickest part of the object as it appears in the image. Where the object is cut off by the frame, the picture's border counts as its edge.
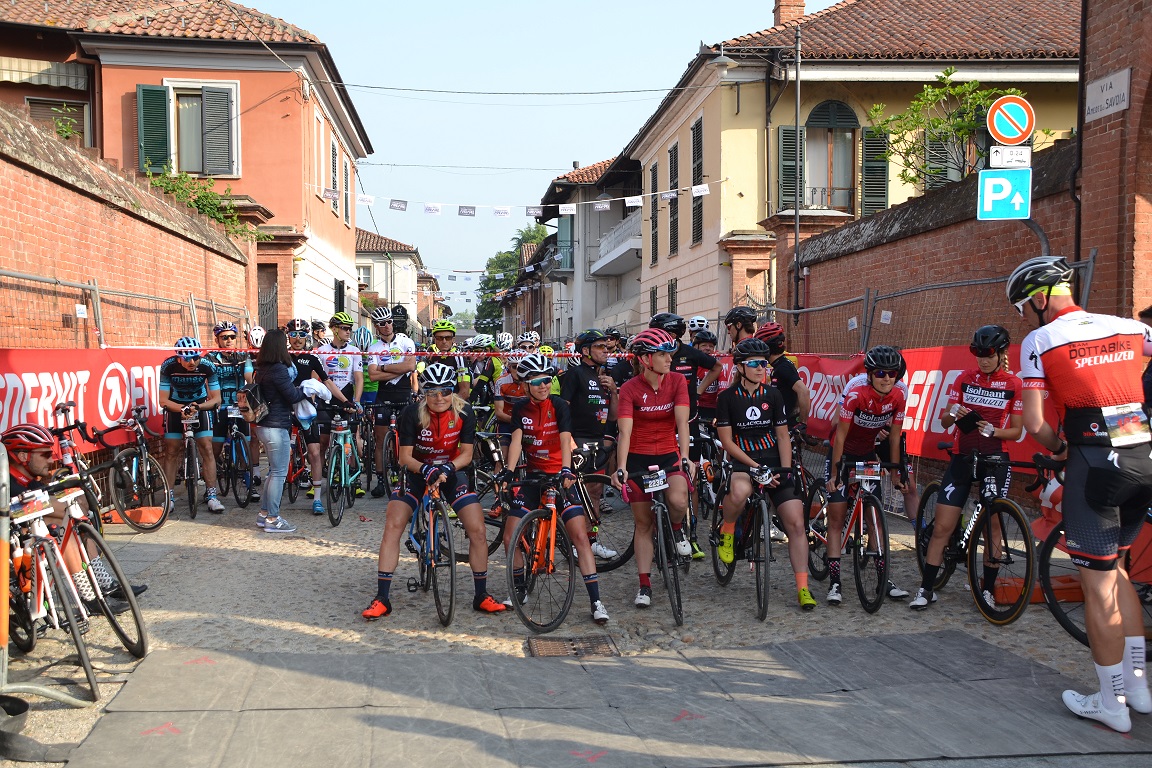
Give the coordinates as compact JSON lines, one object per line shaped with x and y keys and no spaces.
{"x":786,"y":11}
{"x":575,"y":164}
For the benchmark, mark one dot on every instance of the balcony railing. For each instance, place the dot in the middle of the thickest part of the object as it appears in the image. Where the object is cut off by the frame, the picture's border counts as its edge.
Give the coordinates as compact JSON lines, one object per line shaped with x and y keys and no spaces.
{"x":620,"y":235}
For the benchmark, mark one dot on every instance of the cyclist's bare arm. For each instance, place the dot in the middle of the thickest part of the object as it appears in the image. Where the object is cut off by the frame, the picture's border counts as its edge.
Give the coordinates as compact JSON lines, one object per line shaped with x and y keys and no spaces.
{"x":803,"y":400}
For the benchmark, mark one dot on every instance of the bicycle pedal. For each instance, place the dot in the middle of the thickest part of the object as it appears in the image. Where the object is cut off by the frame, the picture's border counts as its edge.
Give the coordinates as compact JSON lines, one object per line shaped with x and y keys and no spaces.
{"x":413,"y":584}
{"x":408,"y":545}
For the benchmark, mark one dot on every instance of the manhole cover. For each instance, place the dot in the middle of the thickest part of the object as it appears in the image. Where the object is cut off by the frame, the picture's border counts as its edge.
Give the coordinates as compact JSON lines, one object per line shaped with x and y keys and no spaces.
{"x":595,"y":645}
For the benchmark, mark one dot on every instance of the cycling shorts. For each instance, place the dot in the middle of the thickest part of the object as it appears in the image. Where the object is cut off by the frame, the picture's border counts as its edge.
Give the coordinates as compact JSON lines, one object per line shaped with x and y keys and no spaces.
{"x":367,"y":397}
{"x":311,"y":435}
{"x":1106,"y":496}
{"x":526,"y":497}
{"x":838,"y":496}
{"x":456,"y":489}
{"x":223,"y":425}
{"x":382,"y":411}
{"x":633,"y":493}
{"x":956,"y":483}
{"x":174,"y":427}
{"x":324,"y":420}
{"x":781,"y":494}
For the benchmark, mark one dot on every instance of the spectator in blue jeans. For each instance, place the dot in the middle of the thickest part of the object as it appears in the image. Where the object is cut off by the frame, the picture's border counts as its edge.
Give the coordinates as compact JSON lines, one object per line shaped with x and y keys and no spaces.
{"x":275,"y":373}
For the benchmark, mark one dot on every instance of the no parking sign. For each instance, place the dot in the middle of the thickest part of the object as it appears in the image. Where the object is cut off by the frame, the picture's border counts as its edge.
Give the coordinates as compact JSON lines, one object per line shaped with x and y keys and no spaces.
{"x":1011,"y":120}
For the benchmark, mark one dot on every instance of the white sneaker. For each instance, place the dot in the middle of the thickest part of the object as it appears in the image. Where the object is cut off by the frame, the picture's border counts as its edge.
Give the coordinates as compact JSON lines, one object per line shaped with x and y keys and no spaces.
{"x":602,"y":551}
{"x":214,"y":505}
{"x":922,"y":599}
{"x":895,"y":592}
{"x":644,"y":597}
{"x":1090,"y":707}
{"x":834,"y":597}
{"x":776,"y":534}
{"x":599,"y":613}
{"x":990,"y":601}
{"x":1140,"y":700}
{"x":684,"y":548}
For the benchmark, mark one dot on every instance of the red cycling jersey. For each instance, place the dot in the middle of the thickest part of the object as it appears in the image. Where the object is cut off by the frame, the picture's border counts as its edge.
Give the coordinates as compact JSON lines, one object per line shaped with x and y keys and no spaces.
{"x":652,"y":413}
{"x":868,"y":412}
{"x":995,"y":396}
{"x":708,"y":397}
{"x":440,"y":441}
{"x":542,"y":424}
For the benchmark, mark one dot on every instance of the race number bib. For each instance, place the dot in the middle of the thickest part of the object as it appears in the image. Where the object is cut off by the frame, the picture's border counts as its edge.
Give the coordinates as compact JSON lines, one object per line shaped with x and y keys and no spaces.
{"x":1126,"y":424}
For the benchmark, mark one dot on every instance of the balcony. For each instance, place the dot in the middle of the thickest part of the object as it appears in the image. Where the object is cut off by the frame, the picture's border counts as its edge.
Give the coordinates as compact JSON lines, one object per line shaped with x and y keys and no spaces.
{"x":557,"y":262}
{"x":620,"y":248}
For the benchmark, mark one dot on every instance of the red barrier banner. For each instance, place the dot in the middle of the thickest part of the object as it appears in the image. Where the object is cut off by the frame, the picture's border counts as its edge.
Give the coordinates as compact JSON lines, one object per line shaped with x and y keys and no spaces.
{"x":104,"y":383}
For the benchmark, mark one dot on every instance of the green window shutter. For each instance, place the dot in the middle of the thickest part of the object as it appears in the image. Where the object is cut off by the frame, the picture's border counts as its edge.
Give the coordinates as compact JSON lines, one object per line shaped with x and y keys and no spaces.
{"x":937,"y":166}
{"x":698,"y":178}
{"x":153,"y":106}
{"x":873,"y":172}
{"x":652,"y":301}
{"x":655,"y":212}
{"x":674,"y":203}
{"x":216,"y":117}
{"x":791,"y":190}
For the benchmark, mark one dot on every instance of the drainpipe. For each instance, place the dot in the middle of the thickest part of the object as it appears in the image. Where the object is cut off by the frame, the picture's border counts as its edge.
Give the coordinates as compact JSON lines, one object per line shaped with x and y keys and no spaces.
{"x":798,"y":191}
{"x":1072,"y":174}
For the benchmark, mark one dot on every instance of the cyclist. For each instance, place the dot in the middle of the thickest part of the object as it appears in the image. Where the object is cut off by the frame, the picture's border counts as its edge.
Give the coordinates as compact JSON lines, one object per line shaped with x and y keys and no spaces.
{"x":362,"y":338}
{"x":344,"y":364}
{"x":870,"y":404}
{"x":233,"y":370}
{"x":436,"y":441}
{"x":319,"y":334}
{"x":740,"y":322}
{"x":542,"y":430}
{"x":652,"y":414}
{"x":557,"y":374}
{"x":592,"y":399}
{"x":992,"y":395}
{"x":443,"y":350}
{"x":504,"y":342}
{"x":189,"y":386}
{"x":391,"y":360}
{"x":1089,"y":366}
{"x":753,"y":426}
{"x":696,"y":324}
{"x":529,"y":341}
{"x":510,"y":390}
{"x":705,"y":341}
{"x":797,"y":398}
{"x":486,"y":369}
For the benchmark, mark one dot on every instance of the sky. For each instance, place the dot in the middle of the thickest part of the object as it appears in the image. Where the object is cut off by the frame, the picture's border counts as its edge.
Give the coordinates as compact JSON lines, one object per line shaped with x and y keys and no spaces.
{"x":507,"y":46}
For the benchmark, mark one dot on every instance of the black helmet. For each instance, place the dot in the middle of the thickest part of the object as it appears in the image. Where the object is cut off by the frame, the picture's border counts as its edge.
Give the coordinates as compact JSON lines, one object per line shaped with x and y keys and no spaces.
{"x":588,"y":338}
{"x":297,"y":326}
{"x":884,"y":358}
{"x":319,"y":325}
{"x":991,"y":337}
{"x":613,"y":333}
{"x":1034,"y":275}
{"x":740,"y":316}
{"x":750,"y":348}
{"x":674,"y":324}
{"x":704,"y":337}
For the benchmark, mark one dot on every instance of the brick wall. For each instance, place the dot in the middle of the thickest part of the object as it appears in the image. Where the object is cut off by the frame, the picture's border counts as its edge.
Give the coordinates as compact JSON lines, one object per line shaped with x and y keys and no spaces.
{"x":72,"y":217}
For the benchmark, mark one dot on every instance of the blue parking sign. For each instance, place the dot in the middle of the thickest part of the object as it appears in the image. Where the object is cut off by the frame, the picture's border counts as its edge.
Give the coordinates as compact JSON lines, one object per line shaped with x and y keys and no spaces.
{"x":1005,"y":193}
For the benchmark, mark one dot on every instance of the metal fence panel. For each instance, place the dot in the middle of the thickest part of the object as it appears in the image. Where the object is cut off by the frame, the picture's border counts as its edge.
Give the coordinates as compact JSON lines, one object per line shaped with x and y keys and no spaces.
{"x":40,"y":313}
{"x":833,"y":329}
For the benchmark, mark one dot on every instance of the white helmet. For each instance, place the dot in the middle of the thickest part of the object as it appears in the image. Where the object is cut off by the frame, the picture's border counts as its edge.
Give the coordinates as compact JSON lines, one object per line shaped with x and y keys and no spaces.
{"x":256,"y":336}
{"x":528,"y":337}
{"x":698,"y":323}
{"x":483,"y":341}
{"x":504,"y":342}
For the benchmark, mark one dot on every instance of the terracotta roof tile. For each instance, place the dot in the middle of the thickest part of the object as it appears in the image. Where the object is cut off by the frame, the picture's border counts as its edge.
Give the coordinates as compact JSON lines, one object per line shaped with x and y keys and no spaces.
{"x":931,"y":29}
{"x":370,"y":242}
{"x":589,"y":174}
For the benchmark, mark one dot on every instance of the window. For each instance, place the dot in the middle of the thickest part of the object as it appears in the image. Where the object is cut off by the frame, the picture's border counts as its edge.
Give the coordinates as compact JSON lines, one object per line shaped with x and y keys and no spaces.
{"x":830,"y":157}
{"x":672,"y":295}
{"x":673,"y":203}
{"x":54,"y":110}
{"x":347,"y":193}
{"x":654,"y":212}
{"x":873,"y":172}
{"x":334,"y":178}
{"x":697,"y":178}
{"x":364,"y":275}
{"x":653,"y":309}
{"x":189,"y":127}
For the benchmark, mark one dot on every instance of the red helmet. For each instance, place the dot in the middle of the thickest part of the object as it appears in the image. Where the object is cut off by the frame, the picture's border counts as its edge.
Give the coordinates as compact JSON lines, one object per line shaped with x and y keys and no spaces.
{"x":770,"y":332}
{"x":27,"y":437}
{"x":652,"y":340}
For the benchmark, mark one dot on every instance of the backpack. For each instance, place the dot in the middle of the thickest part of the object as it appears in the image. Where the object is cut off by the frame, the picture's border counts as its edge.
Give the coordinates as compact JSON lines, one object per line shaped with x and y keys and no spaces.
{"x":251,"y":402}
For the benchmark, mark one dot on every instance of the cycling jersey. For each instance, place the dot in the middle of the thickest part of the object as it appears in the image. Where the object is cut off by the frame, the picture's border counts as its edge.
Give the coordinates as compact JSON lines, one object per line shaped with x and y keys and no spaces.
{"x":542,"y":424}
{"x":304,"y":365}
{"x":653,"y":412}
{"x":231,"y":367}
{"x":995,"y":396}
{"x":510,"y":392}
{"x":687,"y":361}
{"x":341,"y":363}
{"x":753,"y":417}
{"x":451,"y":359}
{"x":868,"y":412}
{"x":18,"y":482}
{"x":587,"y":400}
{"x":784,"y":378}
{"x":184,"y":386}
{"x":392,"y":352}
{"x":440,"y":441}
{"x":1091,"y":366}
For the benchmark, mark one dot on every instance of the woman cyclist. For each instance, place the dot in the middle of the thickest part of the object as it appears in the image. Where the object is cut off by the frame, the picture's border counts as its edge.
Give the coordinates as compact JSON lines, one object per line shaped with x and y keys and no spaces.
{"x":986,"y":405}
{"x":652,"y":415}
{"x":436,"y":437}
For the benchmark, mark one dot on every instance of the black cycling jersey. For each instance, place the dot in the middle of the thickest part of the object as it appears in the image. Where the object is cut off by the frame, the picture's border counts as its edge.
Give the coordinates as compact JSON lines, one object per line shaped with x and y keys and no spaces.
{"x":784,"y":377}
{"x":587,"y":400}
{"x":753,"y":418}
{"x":305,"y":365}
{"x":687,"y":361}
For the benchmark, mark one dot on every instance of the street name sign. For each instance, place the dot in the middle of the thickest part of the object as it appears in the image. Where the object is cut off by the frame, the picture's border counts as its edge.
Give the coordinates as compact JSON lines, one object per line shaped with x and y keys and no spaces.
{"x":1005,"y":194}
{"x":1011,"y":120}
{"x":1108,"y":95}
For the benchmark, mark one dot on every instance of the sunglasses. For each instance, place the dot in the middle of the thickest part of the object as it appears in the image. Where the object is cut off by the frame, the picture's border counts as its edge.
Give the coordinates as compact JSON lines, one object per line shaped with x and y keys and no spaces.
{"x":756,"y":363}
{"x":342,"y":327}
{"x":442,"y":391}
{"x":668,"y":346}
{"x":1020,"y":305}
{"x":601,"y":347}
{"x":298,"y":335}
{"x":230,"y":337}
{"x":443,"y":337}
{"x":539,"y":381}
{"x":527,"y":347}
{"x":42,"y":454}
{"x":383,"y":322}
{"x":886,"y":374}
{"x":982,"y":351}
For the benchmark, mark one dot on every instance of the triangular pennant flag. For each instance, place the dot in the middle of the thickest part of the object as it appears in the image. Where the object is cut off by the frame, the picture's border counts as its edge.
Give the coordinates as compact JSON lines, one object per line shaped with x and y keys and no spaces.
{"x":602,"y":205}
{"x":534,"y":210}
{"x":451,"y":277}
{"x":669,"y":195}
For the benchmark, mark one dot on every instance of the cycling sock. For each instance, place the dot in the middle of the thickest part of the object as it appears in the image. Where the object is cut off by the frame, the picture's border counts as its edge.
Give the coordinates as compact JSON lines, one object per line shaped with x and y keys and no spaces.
{"x":930,"y":573}
{"x":107,"y":581}
{"x":592,"y":582}
{"x":801,"y":580}
{"x":383,"y":584}
{"x":1134,"y":679}
{"x":834,"y":570}
{"x":646,"y":580}
{"x":518,"y":577}
{"x":728,"y":528}
{"x":83,"y":586}
{"x":990,"y":575}
{"x":480,"y":581}
{"x":1111,"y":686}
{"x":210,"y":493}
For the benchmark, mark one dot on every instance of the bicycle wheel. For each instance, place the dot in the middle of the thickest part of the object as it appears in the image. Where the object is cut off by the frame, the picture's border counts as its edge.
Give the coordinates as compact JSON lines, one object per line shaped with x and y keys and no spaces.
{"x":723,"y":571}
{"x":334,"y":495}
{"x":925,"y":524}
{"x":295,"y":472}
{"x":443,"y":564}
{"x":61,"y":594}
{"x":549,"y":569}
{"x":870,"y":555}
{"x":191,"y":475}
{"x":666,"y":559}
{"x":390,"y":470}
{"x":140,"y":490}
{"x":495,"y":515}
{"x":128,"y":626}
{"x":241,"y":473}
{"x":21,"y":627}
{"x":1060,"y":583}
{"x":419,"y":529}
{"x":1002,"y":540}
{"x":615,"y":530}
{"x":224,"y":470}
{"x":762,"y":558}
{"x":817,"y":506}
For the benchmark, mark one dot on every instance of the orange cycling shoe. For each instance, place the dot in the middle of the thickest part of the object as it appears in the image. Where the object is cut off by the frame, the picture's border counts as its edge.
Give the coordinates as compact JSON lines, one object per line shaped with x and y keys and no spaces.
{"x":488,"y":604}
{"x":378,"y":609}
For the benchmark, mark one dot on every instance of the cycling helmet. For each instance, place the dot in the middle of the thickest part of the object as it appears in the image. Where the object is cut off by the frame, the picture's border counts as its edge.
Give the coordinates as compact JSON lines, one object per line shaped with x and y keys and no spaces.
{"x":884,"y":358}
{"x":297,"y":326}
{"x":256,"y":335}
{"x":1034,"y":275}
{"x":514,"y":357}
{"x":531,"y":337}
{"x":504,"y":342}
{"x":483,"y":341}
{"x":546,"y":350}
{"x":704,"y":337}
{"x":188,"y":348}
{"x":532,"y":365}
{"x":650,"y":340}
{"x":437,"y":375}
{"x":749,"y":348}
{"x":991,"y":337}
{"x":698,"y":323}
{"x":318,"y":325}
{"x":381,"y":315}
{"x":674,"y":324}
{"x":362,"y":338}
{"x":341,"y":318}
{"x":27,"y":437}
{"x":613,"y":333}
{"x":770,"y":332}
{"x":740,"y":316}
{"x":224,"y":326}
{"x":588,"y":338}
{"x":443,"y":325}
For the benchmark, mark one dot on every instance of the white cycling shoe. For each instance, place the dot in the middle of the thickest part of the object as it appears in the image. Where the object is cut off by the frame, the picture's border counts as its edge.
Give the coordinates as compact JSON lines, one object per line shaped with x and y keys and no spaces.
{"x":603,"y":552}
{"x":1090,"y":708}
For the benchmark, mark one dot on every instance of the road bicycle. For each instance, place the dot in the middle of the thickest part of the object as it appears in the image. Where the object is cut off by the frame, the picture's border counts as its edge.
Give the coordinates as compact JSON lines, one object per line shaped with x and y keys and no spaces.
{"x":342,"y":470}
{"x":487,"y":462}
{"x":430,"y":539}
{"x":390,"y":471}
{"x":541,"y":547}
{"x":996,"y":535}
{"x":190,"y":467}
{"x":616,"y":533}
{"x":708,"y":471}
{"x":753,"y":538}
{"x":654,"y":481}
{"x":298,"y":465}
{"x":233,"y":465}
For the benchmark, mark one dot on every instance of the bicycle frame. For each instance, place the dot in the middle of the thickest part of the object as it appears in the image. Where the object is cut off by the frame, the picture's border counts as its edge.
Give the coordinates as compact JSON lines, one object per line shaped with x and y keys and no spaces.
{"x":342,"y":440}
